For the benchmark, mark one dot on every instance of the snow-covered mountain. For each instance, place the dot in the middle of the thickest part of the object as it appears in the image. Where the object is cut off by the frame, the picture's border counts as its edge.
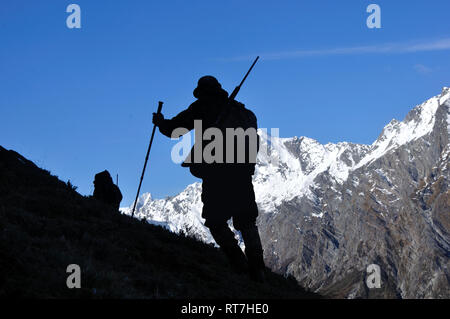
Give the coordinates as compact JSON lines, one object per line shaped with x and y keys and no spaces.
{"x":328,"y":211}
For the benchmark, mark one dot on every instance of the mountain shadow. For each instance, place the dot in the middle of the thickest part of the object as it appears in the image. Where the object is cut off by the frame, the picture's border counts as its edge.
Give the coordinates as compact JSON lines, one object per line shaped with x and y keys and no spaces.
{"x":45,"y":225}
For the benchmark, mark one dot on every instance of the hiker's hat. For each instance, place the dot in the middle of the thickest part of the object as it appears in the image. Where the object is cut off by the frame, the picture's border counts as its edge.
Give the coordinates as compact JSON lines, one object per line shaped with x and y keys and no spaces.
{"x":208,"y":86}
{"x":103,"y":177}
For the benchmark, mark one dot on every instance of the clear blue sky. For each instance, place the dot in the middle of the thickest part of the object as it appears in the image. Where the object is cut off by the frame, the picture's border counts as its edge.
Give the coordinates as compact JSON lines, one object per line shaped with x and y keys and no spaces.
{"x":78,"y":101}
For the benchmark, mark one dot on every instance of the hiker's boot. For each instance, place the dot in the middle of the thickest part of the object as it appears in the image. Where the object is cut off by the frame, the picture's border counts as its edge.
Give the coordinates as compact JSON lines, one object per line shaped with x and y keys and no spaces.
{"x":254,"y":252}
{"x":224,"y":237}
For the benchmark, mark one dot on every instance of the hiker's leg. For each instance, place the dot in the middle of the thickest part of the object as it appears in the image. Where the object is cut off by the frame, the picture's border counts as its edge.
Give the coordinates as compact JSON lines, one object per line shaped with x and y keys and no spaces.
{"x":224,"y":237}
{"x":246,"y":223}
{"x":253,"y":247}
{"x":216,"y":213}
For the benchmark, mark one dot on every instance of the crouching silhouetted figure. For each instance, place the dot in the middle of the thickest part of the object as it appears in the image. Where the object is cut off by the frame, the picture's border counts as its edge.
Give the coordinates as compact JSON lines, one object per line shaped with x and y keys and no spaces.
{"x":106,"y":191}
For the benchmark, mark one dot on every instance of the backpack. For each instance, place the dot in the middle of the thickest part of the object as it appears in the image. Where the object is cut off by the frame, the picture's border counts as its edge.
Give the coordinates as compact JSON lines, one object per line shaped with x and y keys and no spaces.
{"x":235,"y":116}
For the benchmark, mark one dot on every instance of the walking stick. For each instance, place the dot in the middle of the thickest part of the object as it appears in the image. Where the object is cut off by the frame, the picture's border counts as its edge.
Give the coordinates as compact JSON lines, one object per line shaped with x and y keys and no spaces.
{"x":160,"y":104}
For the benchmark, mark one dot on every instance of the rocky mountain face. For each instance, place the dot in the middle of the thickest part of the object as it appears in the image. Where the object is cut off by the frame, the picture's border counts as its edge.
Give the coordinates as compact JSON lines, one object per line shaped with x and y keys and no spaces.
{"x":327,"y":212}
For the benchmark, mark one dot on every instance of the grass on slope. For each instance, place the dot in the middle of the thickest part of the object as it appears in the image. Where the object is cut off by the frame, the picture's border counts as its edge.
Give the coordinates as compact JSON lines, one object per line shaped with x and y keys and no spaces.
{"x":45,"y":225}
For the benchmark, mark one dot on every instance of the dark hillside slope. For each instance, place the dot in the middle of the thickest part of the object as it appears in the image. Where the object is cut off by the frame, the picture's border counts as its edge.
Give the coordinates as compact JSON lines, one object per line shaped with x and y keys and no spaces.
{"x":45,"y":225}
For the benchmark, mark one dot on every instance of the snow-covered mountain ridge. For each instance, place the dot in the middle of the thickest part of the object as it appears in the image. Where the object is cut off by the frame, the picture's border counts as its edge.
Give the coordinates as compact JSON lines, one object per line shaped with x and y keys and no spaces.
{"x":299,"y":160}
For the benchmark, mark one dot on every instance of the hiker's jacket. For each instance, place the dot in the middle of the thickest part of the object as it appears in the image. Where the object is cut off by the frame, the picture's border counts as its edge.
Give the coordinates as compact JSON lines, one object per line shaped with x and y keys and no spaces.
{"x":207,"y":110}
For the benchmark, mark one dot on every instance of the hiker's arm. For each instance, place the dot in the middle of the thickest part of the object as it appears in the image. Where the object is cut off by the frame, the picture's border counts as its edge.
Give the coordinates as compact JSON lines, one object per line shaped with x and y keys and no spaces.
{"x":185,"y":119}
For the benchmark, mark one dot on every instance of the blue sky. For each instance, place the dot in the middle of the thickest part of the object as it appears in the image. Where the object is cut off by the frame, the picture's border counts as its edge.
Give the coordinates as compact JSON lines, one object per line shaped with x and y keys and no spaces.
{"x":78,"y":101}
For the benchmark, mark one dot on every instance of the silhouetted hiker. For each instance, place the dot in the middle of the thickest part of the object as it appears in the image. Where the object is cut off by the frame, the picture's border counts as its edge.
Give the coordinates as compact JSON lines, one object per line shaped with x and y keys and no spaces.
{"x":106,"y":191}
{"x":227,"y":188}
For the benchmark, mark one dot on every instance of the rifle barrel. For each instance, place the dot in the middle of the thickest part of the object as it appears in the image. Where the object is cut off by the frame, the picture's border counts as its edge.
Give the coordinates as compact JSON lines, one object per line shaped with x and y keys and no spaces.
{"x":237,"y":88}
{"x":249,"y":70}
